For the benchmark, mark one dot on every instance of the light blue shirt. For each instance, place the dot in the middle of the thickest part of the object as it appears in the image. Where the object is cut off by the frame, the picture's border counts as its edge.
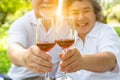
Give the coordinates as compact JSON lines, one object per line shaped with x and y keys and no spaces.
{"x":101,"y":38}
{"x":23,"y":31}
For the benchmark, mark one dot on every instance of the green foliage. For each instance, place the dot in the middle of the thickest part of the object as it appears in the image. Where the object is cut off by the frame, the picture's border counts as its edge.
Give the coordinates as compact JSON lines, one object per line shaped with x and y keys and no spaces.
{"x":117,"y":30}
{"x":8,"y":7}
{"x":111,"y":10}
{"x":115,"y":13}
{"x":4,"y":61}
{"x":9,"y":12}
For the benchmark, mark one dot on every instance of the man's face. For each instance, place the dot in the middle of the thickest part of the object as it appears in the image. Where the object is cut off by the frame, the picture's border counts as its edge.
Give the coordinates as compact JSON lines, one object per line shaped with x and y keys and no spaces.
{"x":84,"y":16}
{"x":44,"y":7}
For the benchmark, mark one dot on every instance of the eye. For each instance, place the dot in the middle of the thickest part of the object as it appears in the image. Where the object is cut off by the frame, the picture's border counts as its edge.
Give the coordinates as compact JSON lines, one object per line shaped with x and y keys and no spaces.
{"x":75,"y":13}
{"x":86,"y":11}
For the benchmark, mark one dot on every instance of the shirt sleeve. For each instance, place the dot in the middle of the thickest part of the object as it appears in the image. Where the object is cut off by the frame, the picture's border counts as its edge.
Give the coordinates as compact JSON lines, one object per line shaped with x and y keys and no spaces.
{"x":110,"y":42}
{"x":17,"y":33}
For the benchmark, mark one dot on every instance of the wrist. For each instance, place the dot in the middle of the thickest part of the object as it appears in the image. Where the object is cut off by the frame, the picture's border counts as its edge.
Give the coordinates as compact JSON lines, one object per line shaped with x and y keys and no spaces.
{"x":23,"y":58}
{"x":83,"y":62}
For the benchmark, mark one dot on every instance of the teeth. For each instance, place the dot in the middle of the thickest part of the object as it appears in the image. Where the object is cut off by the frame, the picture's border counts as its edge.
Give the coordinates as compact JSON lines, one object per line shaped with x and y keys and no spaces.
{"x":46,"y":5}
{"x":81,"y":24}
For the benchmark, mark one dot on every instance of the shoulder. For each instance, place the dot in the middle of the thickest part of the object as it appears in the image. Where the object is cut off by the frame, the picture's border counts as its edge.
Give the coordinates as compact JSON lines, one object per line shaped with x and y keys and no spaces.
{"x":23,"y":19}
{"x":104,"y":28}
{"x":101,"y":29}
{"x":104,"y":31}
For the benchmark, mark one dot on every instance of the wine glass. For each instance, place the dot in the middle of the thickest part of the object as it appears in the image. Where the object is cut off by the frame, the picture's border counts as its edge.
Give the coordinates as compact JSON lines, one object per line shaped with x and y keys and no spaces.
{"x":45,"y":36}
{"x":65,"y":37}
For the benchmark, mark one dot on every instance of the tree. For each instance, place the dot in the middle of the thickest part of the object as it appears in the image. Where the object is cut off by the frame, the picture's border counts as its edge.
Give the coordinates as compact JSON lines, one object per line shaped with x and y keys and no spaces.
{"x":109,"y":7}
{"x":115,"y":13}
{"x":10,"y":7}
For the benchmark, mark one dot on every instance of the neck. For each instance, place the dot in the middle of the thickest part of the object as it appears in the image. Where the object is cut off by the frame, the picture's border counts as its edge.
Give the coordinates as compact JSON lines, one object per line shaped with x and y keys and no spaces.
{"x":47,"y":24}
{"x":82,"y":37}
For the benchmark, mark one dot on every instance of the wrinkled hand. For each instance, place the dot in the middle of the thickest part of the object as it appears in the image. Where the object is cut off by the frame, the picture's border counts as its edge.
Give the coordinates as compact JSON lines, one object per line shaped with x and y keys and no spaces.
{"x":37,"y":60}
{"x":71,"y":61}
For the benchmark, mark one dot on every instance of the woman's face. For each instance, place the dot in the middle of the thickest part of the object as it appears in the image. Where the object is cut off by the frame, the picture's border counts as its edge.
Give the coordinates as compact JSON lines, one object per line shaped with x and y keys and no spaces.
{"x":44,"y":7}
{"x":84,"y":16}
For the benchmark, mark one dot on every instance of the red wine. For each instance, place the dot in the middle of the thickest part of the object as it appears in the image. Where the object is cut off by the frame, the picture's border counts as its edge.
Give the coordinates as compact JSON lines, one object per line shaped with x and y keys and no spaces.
{"x":45,"y":46}
{"x":65,"y":43}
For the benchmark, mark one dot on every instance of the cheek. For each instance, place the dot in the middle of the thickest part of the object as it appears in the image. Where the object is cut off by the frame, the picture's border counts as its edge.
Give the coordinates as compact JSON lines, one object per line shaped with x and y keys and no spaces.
{"x":93,"y":20}
{"x":92,"y":17}
{"x":36,"y":3}
{"x":75,"y":21}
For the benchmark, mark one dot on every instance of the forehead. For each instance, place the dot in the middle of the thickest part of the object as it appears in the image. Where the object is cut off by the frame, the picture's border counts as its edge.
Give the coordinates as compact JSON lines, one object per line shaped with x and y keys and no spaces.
{"x":45,"y":0}
{"x":81,"y":4}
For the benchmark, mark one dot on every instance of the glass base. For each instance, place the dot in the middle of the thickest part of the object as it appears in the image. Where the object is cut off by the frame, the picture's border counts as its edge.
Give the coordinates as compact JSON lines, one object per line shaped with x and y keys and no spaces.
{"x":47,"y":76}
{"x":47,"y":79}
{"x":64,"y":78}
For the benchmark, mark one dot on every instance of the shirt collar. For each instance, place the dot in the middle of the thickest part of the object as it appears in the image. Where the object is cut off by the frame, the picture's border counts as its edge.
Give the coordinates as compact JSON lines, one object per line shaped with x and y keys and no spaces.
{"x":32,"y":17}
{"x":94,"y":31}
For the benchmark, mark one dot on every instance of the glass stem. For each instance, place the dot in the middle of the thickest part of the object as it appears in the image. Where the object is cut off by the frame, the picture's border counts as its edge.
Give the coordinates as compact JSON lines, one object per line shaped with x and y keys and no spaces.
{"x":47,"y":73}
{"x":47,"y":76}
{"x":65,"y":73}
{"x":65,"y":50}
{"x":65,"y":76}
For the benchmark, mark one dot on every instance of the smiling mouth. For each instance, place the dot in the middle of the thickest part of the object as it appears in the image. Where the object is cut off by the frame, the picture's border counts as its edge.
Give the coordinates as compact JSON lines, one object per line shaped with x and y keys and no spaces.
{"x":49,"y":6}
{"x":82,"y":24}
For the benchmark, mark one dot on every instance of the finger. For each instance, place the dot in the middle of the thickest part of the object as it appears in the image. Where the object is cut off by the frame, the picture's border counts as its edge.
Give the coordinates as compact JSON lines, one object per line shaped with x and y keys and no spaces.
{"x":68,"y":61}
{"x":74,"y":69}
{"x":37,"y":67}
{"x":44,"y":55}
{"x":31,"y":64}
{"x":69,"y":66}
{"x":41,"y":61}
{"x":35,"y":50}
{"x":34,"y":70}
{"x":68,"y":54}
{"x":76,"y":65}
{"x":27,"y":59}
{"x":60,"y":55}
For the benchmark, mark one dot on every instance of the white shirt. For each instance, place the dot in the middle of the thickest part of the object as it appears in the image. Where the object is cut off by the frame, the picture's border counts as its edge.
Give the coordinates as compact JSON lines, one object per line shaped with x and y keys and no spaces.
{"x":101,"y":38}
{"x":23,"y":32}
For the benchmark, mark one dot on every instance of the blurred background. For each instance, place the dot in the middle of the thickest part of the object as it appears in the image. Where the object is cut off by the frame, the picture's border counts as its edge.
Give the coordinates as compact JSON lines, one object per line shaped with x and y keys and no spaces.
{"x":10,"y":10}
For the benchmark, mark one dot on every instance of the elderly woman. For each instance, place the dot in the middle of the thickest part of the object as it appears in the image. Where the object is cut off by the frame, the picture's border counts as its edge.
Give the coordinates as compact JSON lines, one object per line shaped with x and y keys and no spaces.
{"x":96,"y":55}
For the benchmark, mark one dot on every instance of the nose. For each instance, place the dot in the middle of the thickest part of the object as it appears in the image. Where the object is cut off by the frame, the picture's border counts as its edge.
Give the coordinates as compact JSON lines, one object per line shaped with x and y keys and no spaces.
{"x":47,"y":1}
{"x":80,"y":16}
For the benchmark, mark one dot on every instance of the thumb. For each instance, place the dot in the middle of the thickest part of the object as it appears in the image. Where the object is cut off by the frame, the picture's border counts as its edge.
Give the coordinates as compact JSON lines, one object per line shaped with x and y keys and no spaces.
{"x":60,"y":55}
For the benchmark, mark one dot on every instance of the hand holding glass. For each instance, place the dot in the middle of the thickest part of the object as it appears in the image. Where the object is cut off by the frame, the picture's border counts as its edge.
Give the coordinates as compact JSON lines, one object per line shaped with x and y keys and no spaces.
{"x":65,"y":36}
{"x":45,"y":36}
